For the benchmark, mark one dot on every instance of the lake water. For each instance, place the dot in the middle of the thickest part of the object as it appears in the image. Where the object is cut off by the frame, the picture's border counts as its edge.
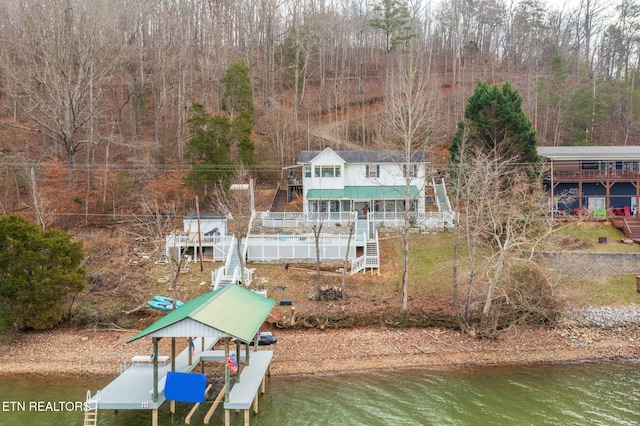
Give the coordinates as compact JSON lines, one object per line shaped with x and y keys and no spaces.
{"x":574,"y":394}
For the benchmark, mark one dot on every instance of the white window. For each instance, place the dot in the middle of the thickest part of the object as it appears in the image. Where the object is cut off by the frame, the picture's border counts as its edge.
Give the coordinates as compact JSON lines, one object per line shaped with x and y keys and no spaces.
{"x":413,"y":170}
{"x":327,"y":171}
{"x":372,"y":171}
{"x":307,"y":171}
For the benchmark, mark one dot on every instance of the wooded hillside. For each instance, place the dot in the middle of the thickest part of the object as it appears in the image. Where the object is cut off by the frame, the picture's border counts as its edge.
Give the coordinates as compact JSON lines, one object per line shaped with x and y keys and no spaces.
{"x":96,"y":95}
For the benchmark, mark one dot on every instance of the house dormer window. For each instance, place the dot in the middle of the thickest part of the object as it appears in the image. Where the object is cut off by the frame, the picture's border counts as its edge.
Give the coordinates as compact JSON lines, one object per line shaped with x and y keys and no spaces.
{"x":372,"y":171}
{"x":327,"y":171}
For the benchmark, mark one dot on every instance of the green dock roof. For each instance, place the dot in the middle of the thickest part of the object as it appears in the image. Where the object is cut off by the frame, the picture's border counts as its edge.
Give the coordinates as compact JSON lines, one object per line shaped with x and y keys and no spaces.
{"x":232,"y":310}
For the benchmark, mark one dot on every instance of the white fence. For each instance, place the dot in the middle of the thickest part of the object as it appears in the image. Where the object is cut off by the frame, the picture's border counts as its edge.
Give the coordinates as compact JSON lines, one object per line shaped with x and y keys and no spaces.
{"x":306,"y":220}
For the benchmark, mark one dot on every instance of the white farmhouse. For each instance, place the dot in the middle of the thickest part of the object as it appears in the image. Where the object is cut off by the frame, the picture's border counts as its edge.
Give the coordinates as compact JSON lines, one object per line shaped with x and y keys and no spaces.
{"x":367,"y":181}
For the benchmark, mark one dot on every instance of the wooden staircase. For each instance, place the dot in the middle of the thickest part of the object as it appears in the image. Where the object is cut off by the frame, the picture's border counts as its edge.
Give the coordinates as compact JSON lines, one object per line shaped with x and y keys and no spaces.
{"x":279,"y":201}
{"x":630,"y":226}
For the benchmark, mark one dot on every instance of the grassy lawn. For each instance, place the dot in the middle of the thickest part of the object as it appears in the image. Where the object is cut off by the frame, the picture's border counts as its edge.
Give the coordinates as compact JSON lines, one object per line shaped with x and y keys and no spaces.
{"x":589,"y":234}
{"x":616,"y":290}
{"x":431,"y":264}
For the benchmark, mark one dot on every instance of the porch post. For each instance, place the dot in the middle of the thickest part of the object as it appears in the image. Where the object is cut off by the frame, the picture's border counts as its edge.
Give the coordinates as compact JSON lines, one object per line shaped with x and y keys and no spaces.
{"x":155,"y":368}
{"x":607,"y":186}
{"x":238,"y":359}
{"x":552,"y":190}
{"x":227,"y":381}
{"x":637,"y":186}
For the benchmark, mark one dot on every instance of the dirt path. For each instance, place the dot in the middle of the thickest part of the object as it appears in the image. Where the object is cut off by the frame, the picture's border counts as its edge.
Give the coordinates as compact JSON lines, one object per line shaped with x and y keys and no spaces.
{"x":327,"y":131}
{"x":70,"y":352}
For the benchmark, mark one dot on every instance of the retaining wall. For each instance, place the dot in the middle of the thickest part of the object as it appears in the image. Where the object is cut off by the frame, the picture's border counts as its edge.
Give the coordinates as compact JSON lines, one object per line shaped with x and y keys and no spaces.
{"x":589,"y":264}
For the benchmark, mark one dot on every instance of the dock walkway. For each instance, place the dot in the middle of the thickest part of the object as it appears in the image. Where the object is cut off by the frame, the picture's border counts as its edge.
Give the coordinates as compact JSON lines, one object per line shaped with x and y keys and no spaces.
{"x":244,"y":392}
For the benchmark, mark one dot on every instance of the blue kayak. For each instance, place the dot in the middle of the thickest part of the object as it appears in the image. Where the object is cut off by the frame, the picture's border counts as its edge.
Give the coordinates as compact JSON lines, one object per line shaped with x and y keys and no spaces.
{"x":163,"y":303}
{"x":164,"y":299}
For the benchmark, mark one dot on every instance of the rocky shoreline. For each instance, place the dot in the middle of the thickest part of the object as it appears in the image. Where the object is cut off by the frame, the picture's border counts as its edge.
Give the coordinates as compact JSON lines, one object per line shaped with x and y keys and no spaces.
{"x":602,"y":316}
{"x":584,"y":334}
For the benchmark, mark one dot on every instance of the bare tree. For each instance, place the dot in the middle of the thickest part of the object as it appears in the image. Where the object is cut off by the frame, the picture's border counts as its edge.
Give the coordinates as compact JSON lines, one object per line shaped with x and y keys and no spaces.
{"x":503,"y":213}
{"x":316,"y":228}
{"x":408,"y":128}
{"x":60,"y":55}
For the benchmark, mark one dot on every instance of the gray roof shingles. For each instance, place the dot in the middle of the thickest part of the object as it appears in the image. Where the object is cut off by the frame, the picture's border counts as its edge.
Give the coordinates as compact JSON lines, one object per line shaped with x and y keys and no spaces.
{"x":367,"y":156}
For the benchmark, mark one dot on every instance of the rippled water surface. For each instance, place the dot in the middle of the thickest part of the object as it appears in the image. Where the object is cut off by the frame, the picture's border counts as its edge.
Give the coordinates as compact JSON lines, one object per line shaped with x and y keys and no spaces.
{"x":577,"y":394}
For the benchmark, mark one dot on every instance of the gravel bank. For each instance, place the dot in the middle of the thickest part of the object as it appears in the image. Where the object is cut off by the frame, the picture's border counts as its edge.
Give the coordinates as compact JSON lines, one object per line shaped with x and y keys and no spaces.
{"x":603,"y":317}
{"x":586,"y":334}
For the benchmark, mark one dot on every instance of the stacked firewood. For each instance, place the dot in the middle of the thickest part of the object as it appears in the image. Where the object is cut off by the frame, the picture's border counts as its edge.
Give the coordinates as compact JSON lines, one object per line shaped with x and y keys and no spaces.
{"x":330,"y":293}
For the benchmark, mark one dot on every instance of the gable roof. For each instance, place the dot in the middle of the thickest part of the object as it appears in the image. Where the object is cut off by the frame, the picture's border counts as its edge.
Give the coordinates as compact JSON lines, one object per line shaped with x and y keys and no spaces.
{"x":594,"y":153}
{"x":232,"y":310}
{"x":367,"y":156}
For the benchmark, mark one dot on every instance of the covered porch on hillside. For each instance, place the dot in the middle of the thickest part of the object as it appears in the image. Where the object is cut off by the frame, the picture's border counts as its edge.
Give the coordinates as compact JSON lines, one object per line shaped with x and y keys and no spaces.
{"x":364,"y":199}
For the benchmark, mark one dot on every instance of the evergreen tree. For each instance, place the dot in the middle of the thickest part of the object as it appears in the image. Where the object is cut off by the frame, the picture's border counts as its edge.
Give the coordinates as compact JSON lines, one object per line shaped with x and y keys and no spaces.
{"x":495,"y":123}
{"x":39,"y":271}
{"x":209,"y":148}
{"x":587,"y":110}
{"x":552,"y":90}
{"x":237,"y":102}
{"x":393,"y":18}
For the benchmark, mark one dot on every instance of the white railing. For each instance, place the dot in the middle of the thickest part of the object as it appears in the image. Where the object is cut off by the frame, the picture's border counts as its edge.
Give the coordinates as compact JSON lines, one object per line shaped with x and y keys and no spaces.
{"x":429,"y":220}
{"x":232,"y":248}
{"x":306,"y":220}
{"x":217,"y":244}
{"x":358,"y":264}
{"x":192,"y":239}
{"x":216,"y":277}
{"x":237,"y":276}
{"x":245,"y":247}
{"x":92,"y":401}
{"x":444,"y":205}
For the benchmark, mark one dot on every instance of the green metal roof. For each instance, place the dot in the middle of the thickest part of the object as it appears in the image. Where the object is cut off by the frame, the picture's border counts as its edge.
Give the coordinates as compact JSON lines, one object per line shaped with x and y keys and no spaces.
{"x":363,"y":193}
{"x":232,"y":310}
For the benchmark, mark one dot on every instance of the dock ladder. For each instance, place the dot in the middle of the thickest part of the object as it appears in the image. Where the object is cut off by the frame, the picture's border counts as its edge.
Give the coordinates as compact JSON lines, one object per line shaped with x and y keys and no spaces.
{"x":91,"y":410}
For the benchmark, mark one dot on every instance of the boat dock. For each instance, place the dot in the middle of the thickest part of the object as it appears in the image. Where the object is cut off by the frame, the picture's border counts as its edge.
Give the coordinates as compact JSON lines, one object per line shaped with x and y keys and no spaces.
{"x":133,"y":388}
{"x":226,"y":315}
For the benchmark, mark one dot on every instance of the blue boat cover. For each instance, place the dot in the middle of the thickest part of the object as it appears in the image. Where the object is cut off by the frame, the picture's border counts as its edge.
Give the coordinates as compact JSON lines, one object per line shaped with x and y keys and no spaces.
{"x":185,"y":387}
